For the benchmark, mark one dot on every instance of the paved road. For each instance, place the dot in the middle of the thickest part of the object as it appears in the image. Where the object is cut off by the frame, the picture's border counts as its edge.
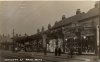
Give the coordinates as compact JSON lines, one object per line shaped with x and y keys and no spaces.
{"x":34,"y":57}
{"x":8,"y":56}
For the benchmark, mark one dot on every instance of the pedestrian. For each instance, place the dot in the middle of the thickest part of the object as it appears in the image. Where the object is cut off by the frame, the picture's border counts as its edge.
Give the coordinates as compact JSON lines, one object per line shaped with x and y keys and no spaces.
{"x":56,"y":51}
{"x":71,"y":52}
{"x":59,"y":51}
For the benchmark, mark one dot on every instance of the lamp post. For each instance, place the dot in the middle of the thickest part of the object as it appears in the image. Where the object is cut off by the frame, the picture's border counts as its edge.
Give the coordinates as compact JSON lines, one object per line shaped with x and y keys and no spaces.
{"x":99,"y":29}
{"x":98,"y":32}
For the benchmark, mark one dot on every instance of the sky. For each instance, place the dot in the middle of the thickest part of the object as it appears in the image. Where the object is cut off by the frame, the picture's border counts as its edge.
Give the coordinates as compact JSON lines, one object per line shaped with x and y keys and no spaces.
{"x":28,"y":16}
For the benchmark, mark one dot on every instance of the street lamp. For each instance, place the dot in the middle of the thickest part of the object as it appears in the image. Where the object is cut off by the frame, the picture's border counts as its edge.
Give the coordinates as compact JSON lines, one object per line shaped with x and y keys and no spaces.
{"x":84,"y":37}
{"x":99,"y":29}
{"x":66,"y":39}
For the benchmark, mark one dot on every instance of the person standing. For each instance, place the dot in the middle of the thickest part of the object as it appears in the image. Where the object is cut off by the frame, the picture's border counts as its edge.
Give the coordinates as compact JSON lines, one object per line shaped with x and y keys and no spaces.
{"x":59,"y":51}
{"x":71,"y":52}
{"x":56,"y":51}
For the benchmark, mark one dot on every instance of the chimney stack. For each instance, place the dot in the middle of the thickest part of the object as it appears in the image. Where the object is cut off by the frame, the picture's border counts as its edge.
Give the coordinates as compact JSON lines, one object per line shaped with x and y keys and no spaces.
{"x":97,"y":4}
{"x":49,"y":26}
{"x":63,"y":17}
{"x":78,"y":11}
{"x":38,"y":30}
{"x":42,"y":30}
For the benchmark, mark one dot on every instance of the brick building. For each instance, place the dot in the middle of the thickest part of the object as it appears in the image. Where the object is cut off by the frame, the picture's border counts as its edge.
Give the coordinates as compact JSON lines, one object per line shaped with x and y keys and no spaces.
{"x":78,"y":31}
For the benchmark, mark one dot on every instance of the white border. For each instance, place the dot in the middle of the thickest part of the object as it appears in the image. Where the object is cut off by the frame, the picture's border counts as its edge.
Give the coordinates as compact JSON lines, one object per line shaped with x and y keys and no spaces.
{"x":49,"y":0}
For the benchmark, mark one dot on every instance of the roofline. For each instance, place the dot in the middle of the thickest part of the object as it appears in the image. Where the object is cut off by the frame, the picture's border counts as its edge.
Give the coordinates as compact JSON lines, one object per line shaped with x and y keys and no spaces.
{"x":71,"y":22}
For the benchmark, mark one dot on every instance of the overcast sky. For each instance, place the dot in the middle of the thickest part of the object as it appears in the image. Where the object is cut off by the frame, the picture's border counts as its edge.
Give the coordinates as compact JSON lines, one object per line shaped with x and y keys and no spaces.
{"x":26,"y":17}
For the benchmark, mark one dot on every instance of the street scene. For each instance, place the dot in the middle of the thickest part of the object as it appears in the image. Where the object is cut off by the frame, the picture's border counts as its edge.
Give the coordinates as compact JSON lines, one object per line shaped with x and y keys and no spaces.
{"x":49,"y":31}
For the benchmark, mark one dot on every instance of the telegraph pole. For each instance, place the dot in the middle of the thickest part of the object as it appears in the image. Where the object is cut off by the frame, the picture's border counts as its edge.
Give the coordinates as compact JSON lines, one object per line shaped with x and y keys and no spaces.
{"x":44,"y":36}
{"x":13,"y":40}
{"x":13,"y":34}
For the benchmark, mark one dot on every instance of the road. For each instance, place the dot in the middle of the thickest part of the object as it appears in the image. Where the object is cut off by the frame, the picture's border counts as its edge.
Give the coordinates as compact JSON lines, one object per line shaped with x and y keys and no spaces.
{"x":8,"y":56}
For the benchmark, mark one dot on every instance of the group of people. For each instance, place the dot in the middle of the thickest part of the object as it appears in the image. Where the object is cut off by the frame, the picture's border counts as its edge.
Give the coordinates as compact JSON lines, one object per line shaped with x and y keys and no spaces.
{"x":57,"y":51}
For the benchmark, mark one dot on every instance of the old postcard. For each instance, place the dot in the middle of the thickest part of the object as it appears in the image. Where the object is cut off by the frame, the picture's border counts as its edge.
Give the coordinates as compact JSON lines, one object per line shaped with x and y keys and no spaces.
{"x":49,"y":31}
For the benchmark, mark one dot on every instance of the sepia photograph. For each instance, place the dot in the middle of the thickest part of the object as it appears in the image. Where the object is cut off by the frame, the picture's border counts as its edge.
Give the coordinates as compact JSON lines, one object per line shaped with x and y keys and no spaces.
{"x":49,"y":31}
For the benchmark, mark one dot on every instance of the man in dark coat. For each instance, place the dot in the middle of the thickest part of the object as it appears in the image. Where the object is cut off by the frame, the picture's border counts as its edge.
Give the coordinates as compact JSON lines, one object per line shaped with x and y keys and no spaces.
{"x":59,"y":51}
{"x":71,"y":52}
{"x":56,"y":51}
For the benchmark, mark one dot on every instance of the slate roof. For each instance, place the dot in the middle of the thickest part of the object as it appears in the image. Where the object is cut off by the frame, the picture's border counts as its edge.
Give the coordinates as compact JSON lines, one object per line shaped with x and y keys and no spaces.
{"x":91,"y":13}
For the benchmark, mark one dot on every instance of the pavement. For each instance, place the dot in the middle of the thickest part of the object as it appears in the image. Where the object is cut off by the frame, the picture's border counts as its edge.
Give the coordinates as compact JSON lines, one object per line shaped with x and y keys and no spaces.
{"x":50,"y":57}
